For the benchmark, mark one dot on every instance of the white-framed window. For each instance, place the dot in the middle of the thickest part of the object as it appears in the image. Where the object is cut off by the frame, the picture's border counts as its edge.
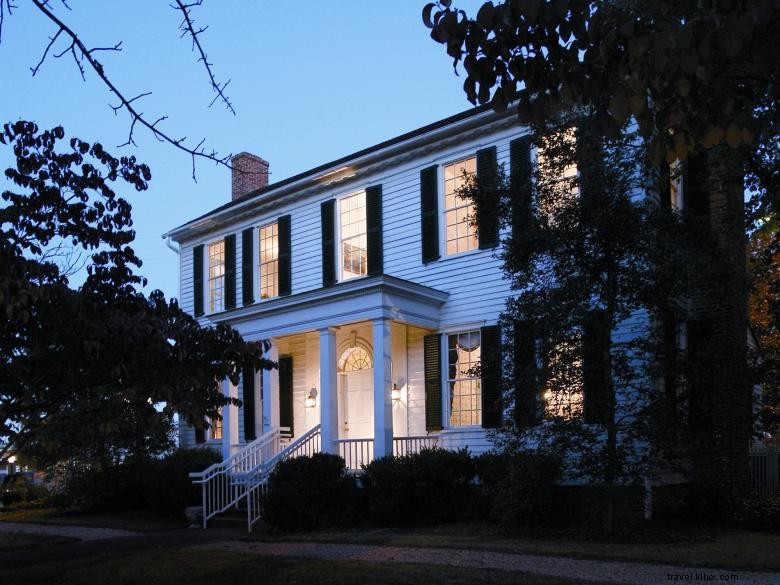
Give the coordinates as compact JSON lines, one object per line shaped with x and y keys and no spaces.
{"x":216,"y":427}
{"x":268,"y":269}
{"x":216,"y":281}
{"x":352,"y":236}
{"x":559,"y":185}
{"x":676,"y":185}
{"x":563,"y":389}
{"x":464,"y":386}
{"x":460,"y":234}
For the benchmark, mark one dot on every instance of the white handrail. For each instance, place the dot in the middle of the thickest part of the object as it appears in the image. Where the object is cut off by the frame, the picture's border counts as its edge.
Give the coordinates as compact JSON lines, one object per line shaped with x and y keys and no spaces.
{"x":256,"y":480}
{"x":356,"y":452}
{"x":414,"y":444}
{"x":221,"y":485}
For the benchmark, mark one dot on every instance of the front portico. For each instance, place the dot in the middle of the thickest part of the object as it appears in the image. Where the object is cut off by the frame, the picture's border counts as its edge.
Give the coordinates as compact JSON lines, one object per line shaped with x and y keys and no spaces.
{"x":351,"y":361}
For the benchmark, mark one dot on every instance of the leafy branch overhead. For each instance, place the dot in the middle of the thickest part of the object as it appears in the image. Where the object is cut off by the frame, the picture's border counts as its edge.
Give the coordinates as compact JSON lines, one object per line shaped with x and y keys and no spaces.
{"x":689,"y":73}
{"x":67,"y":42}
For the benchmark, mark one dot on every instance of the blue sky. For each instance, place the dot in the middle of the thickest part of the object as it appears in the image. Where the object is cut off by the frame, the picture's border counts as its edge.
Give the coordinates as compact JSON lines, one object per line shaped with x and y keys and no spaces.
{"x":311,"y":81}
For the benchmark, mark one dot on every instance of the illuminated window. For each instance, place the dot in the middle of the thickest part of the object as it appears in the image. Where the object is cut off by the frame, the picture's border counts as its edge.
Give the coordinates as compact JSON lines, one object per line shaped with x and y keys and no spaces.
{"x":353,"y":234}
{"x":217,"y":276}
{"x":269,"y":261}
{"x":354,"y":359}
{"x":216,"y":427}
{"x":463,"y":379}
{"x":461,"y":234}
{"x":557,"y":185}
{"x":563,"y":385}
{"x":676,"y":185}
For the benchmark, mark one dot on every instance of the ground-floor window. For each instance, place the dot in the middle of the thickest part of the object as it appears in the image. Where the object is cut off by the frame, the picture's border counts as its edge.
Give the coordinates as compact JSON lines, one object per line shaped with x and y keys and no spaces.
{"x":216,"y":427}
{"x":463,"y":378}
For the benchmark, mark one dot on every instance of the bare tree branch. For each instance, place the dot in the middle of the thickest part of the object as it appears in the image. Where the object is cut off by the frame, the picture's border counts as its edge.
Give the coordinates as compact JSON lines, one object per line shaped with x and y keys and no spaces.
{"x":5,"y":6}
{"x":187,"y":27}
{"x":81,"y":53}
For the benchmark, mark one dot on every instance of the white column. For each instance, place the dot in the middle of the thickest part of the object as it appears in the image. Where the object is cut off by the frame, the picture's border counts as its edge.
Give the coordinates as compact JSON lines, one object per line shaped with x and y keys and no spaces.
{"x":329,"y":406}
{"x":229,"y":420}
{"x":383,"y":404}
{"x":271,"y":392}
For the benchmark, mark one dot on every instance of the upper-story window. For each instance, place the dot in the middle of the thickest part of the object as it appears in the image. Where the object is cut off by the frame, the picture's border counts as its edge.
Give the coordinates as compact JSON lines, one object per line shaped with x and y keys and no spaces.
{"x":353,"y":238}
{"x":463,"y":378}
{"x":216,"y":427}
{"x":676,"y":185}
{"x":460,"y":232}
{"x":217,"y":276}
{"x":269,"y":261}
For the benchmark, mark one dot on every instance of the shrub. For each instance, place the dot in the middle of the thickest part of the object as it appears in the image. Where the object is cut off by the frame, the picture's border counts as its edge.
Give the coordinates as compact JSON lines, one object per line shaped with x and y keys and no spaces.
{"x":759,"y":513}
{"x":518,"y":487}
{"x":18,"y":489}
{"x":310,"y":492}
{"x":432,"y":486}
{"x":168,"y":488}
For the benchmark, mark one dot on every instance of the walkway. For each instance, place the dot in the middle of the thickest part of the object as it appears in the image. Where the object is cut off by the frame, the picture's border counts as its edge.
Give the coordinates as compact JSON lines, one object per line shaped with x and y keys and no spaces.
{"x":588,"y":570}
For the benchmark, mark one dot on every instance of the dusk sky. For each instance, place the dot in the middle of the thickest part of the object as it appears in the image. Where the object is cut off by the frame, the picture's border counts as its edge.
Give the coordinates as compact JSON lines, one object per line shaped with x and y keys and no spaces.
{"x":310,"y":82}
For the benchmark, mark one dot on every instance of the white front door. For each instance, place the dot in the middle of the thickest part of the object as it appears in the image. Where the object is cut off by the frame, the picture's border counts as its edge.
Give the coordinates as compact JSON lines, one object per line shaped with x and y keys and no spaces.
{"x":356,"y":404}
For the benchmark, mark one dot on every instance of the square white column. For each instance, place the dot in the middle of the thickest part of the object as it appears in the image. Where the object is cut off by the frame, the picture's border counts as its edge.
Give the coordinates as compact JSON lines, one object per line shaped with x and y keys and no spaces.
{"x":383,"y":403}
{"x":229,"y":420}
{"x":329,"y":406}
{"x":271,"y":392}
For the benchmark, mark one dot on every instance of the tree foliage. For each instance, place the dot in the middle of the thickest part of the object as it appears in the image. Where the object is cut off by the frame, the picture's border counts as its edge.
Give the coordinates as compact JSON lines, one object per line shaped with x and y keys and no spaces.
{"x":95,"y":372}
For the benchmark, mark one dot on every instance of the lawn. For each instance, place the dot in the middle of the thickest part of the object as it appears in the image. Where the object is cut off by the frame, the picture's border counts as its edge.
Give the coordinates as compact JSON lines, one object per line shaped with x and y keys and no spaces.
{"x":132,"y":520}
{"x":15,"y":540}
{"x":207,"y":568}
{"x":676,"y":544}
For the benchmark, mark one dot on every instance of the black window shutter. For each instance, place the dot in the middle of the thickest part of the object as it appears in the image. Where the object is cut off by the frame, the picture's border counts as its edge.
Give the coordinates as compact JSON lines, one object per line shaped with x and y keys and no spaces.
{"x":286,"y":395}
{"x":248,"y":400}
{"x":665,"y":186}
{"x":285,"y":255}
{"x":432,"y":360}
{"x":247,"y":267}
{"x":429,"y":213}
{"x":695,"y":195}
{"x":374,"y":228}
{"x":526,"y":375}
{"x":200,"y":435}
{"x":699,"y":374}
{"x":596,"y":382}
{"x":487,"y":206}
{"x":327,"y":217}
{"x":521,"y":185}
{"x":197,"y":279}
{"x":230,"y":271}
{"x":492,"y":406}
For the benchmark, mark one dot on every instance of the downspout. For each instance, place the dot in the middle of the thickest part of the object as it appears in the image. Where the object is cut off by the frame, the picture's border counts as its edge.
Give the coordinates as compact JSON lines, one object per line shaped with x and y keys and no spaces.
{"x":176,"y":248}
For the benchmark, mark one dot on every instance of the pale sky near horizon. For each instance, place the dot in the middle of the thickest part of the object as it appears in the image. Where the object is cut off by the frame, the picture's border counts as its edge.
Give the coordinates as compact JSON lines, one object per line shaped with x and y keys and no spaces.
{"x":311,"y":81}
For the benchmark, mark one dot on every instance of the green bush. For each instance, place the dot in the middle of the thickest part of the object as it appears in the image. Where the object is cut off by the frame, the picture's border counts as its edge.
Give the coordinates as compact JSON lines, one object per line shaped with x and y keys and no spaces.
{"x":310,"y":492}
{"x":18,"y":489}
{"x":518,"y":487}
{"x":168,"y":488}
{"x":432,"y":486}
{"x":758,"y":513}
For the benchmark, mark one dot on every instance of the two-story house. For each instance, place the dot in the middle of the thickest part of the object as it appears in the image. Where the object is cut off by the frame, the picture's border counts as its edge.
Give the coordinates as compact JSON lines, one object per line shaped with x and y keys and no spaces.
{"x":377,"y":292}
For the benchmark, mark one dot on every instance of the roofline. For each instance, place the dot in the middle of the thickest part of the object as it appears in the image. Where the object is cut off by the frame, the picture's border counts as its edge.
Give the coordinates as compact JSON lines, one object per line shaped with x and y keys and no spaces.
{"x":284,"y":186}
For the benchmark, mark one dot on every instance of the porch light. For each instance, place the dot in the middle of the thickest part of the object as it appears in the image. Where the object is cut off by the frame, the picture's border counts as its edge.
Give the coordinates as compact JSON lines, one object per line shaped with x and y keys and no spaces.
{"x":12,"y":459}
{"x":311,"y":399}
{"x":395,"y":393}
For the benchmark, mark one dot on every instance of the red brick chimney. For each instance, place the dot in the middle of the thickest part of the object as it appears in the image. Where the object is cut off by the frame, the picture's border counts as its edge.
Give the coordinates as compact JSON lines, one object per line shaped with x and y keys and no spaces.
{"x":250,"y":173}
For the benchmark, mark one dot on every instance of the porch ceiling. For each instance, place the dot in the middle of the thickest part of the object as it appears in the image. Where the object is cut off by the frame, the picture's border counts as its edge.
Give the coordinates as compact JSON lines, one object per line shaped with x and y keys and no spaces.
{"x":348,"y":302}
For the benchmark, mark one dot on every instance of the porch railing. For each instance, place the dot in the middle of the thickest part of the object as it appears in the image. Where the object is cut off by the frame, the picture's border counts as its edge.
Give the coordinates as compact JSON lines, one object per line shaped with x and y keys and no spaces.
{"x":408,"y":445}
{"x":765,"y":469}
{"x":256,"y":480}
{"x":356,"y":452}
{"x":221,"y":486}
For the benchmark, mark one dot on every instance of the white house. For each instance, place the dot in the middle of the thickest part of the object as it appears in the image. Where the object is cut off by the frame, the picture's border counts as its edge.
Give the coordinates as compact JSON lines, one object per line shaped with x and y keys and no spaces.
{"x":375,"y":290}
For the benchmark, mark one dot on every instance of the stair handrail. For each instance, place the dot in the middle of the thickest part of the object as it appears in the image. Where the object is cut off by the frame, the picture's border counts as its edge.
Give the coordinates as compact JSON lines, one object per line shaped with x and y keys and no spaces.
{"x":256,"y":480}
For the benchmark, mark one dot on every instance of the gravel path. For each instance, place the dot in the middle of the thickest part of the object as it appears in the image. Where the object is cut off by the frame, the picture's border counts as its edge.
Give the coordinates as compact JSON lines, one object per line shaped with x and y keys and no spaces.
{"x":589,"y":570}
{"x":80,"y":532}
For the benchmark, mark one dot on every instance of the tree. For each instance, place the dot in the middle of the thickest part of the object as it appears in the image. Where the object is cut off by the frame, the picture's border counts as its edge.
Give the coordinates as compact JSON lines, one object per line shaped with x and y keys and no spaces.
{"x":696,"y":79}
{"x":95,"y":373}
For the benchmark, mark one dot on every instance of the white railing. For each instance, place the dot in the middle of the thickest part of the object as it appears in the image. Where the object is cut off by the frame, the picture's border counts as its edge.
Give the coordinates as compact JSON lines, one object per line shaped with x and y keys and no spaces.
{"x":222,"y":484}
{"x":408,"y":445}
{"x":356,"y":452}
{"x":256,"y":481}
{"x":765,"y":470}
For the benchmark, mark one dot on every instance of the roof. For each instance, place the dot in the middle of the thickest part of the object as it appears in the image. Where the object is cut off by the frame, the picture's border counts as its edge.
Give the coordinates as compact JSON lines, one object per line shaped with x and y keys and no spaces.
{"x":465,"y":115}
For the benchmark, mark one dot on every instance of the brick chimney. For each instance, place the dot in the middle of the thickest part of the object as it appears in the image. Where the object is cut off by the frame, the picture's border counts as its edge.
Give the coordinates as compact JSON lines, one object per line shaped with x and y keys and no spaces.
{"x":250,"y":173}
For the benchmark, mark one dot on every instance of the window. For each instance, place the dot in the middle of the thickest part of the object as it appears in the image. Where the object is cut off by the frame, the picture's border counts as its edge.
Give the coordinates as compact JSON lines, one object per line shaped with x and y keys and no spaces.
{"x":463,"y":378}
{"x":676,"y":185}
{"x":563,"y":388}
{"x":461,"y":234}
{"x":558,"y":185}
{"x":353,"y":238}
{"x":216,"y":427}
{"x":269,"y":261}
{"x":217,"y":276}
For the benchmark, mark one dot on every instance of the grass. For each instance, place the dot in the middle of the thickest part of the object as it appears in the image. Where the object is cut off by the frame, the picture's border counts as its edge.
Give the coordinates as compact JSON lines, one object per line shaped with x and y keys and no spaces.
{"x":206,"y":568}
{"x":661,"y":544}
{"x":16,"y":540}
{"x":137,"y":521}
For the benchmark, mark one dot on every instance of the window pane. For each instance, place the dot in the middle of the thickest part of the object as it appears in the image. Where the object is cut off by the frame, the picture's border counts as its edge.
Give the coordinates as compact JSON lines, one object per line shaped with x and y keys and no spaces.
{"x":216,"y":276}
{"x":464,"y":358}
{"x":461,"y":235}
{"x":354,"y":252}
{"x":269,"y":261}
